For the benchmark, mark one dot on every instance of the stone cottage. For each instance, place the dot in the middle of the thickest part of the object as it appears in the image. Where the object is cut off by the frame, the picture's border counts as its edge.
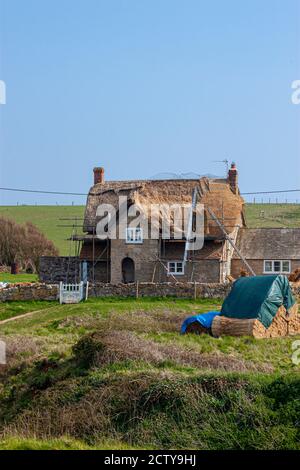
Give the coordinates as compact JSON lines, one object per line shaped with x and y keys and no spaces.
{"x":134,"y":258}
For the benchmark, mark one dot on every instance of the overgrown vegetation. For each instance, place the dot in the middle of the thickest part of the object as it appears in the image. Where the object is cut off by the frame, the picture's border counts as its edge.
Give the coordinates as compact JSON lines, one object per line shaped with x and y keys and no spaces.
{"x":113,"y":373}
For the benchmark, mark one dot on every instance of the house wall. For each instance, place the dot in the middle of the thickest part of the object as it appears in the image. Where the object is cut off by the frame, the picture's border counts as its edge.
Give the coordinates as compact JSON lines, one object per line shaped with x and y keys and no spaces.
{"x":144,"y":256}
{"x":203,"y":270}
{"x":196,"y":269}
{"x":257,"y":265}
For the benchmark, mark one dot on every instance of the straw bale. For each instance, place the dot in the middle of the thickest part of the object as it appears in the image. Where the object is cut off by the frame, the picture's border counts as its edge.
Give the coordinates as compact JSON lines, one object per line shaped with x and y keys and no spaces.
{"x":283,"y":324}
{"x":295,"y":276}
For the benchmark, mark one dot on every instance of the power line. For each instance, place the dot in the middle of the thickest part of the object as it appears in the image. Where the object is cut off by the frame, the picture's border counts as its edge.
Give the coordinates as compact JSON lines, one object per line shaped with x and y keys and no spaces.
{"x":42,"y":192}
{"x":273,"y":192}
{"x":36,"y":191}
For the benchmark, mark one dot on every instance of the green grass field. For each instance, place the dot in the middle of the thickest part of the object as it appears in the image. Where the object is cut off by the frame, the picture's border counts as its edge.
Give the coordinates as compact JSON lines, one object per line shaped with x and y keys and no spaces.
{"x":15,"y":278}
{"x":273,"y":215}
{"x":47,"y":218}
{"x":116,"y":374}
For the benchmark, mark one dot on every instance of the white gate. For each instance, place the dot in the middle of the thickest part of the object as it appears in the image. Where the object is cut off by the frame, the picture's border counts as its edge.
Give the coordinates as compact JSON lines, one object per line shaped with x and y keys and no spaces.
{"x":73,"y":293}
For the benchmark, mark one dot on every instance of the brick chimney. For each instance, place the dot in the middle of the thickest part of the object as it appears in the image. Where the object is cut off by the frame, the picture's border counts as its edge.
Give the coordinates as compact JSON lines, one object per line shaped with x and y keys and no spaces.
{"x":98,"y":175}
{"x":233,"y":178}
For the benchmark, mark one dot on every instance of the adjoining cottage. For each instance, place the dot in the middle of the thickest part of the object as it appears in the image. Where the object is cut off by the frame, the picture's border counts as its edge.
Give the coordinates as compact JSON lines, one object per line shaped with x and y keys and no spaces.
{"x":268,"y":250}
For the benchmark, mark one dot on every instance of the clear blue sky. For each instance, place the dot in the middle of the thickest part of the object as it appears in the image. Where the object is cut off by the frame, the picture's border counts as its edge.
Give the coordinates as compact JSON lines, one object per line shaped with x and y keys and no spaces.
{"x":147,"y":86}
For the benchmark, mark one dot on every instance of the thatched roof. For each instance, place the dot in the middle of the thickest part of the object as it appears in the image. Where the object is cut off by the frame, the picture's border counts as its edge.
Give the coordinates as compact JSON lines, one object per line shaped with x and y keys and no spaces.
{"x":269,"y":243}
{"x":215,"y":193}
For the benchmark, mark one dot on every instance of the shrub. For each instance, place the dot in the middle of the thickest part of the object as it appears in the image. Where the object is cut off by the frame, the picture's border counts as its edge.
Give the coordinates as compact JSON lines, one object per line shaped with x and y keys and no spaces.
{"x":87,"y":349}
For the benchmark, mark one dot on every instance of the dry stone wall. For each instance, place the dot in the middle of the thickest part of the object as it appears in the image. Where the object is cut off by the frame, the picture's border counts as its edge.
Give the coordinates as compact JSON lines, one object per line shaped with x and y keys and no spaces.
{"x":36,"y":291}
{"x":188,"y":290}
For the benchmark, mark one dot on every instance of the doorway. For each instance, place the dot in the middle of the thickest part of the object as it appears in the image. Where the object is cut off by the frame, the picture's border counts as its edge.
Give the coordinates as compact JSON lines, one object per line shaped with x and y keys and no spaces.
{"x":128,"y":270}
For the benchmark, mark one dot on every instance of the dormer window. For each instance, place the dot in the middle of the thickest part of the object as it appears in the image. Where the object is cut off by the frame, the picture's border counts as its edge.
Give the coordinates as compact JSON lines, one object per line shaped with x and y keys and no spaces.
{"x":134,"y":235}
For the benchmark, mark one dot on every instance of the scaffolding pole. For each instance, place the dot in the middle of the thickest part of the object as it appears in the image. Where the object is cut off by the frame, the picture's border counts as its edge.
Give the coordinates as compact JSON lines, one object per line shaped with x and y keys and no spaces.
{"x":215,"y":218}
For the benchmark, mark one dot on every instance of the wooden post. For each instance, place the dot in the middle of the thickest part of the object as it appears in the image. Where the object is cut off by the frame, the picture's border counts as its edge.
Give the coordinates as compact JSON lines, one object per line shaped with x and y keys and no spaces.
{"x":195,"y":290}
{"x":93,"y":255}
{"x":137,"y":290}
{"x":154,"y":271}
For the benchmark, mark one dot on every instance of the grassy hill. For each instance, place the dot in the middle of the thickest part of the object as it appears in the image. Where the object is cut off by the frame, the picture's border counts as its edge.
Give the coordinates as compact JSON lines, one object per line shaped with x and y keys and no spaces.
{"x":273,"y":215}
{"x":47,"y":218}
{"x":113,"y":373}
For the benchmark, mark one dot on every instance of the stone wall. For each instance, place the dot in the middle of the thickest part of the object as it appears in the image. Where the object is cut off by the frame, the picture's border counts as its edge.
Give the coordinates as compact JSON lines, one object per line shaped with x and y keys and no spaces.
{"x":54,"y":269}
{"x":167,"y":289}
{"x":36,"y":291}
{"x":188,"y":290}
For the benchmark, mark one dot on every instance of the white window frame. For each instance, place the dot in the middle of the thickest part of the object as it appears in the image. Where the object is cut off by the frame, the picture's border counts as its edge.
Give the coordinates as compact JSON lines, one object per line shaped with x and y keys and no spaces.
{"x":273,"y":261}
{"x":176,"y":272}
{"x":131,"y":235}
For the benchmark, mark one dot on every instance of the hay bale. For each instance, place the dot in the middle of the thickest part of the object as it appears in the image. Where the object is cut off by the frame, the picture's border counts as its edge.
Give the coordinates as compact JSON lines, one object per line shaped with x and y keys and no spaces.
{"x":283,"y":324}
{"x":223,"y":326}
{"x":295,"y":275}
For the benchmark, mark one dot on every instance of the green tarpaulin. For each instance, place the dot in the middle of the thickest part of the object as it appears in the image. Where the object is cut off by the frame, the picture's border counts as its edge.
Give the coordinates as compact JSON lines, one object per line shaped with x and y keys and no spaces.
{"x":258,"y":297}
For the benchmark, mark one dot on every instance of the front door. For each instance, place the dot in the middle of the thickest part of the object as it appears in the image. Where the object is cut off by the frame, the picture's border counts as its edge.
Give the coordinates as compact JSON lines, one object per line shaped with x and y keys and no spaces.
{"x":128,"y":270}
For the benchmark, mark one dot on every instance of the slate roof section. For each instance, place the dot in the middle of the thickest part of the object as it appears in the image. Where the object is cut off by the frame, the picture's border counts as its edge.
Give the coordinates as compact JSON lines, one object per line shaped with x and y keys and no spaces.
{"x":269,"y":243}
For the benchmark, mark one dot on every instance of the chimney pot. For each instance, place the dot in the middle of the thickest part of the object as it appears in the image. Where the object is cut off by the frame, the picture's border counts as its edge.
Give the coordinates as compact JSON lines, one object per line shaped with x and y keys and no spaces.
{"x":98,"y":175}
{"x":233,"y":178}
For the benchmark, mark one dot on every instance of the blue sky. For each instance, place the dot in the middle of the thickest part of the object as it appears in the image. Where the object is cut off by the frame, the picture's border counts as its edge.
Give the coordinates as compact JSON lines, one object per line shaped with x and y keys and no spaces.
{"x":146,"y":86}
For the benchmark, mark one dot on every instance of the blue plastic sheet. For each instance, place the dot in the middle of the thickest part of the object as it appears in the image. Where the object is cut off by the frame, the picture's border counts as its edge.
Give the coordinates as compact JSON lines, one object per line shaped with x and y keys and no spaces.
{"x":205,"y":319}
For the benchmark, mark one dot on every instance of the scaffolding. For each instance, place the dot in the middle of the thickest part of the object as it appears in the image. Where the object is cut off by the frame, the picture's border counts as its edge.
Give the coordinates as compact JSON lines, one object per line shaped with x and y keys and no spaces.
{"x":189,"y":260}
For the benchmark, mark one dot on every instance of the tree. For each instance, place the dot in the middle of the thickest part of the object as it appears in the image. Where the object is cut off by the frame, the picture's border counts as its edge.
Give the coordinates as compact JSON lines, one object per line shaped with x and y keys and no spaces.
{"x":36,"y":245}
{"x":23,"y":244}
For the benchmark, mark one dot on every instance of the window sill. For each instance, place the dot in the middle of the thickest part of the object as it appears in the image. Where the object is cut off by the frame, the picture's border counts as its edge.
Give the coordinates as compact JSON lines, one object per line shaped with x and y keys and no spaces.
{"x":278,"y":273}
{"x":133,"y":243}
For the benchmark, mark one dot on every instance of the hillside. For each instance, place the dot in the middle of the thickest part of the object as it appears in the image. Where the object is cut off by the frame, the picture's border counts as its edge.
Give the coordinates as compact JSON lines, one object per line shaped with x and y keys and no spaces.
{"x":47,"y":218}
{"x":113,"y":373}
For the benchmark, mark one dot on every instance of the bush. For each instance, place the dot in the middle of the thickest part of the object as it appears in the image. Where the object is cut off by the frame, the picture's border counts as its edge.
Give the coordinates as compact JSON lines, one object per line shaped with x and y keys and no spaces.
{"x":87,"y":349}
{"x":23,"y":244}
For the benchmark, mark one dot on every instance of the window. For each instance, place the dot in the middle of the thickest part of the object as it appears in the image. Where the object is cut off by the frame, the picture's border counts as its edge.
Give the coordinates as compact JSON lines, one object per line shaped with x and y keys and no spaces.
{"x":277,"y":266}
{"x":175,"y":267}
{"x":286,"y":266}
{"x":134,"y":235}
{"x":268,"y":267}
